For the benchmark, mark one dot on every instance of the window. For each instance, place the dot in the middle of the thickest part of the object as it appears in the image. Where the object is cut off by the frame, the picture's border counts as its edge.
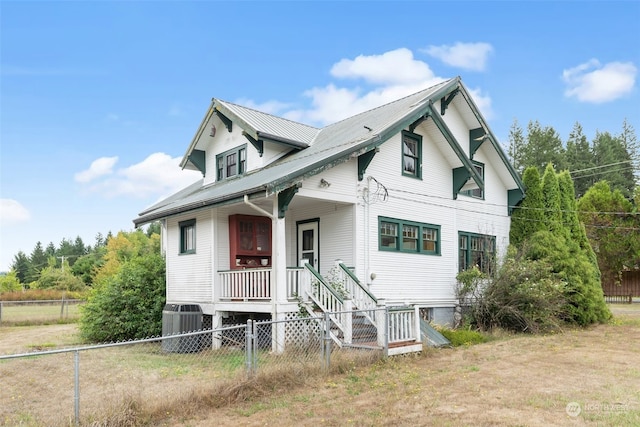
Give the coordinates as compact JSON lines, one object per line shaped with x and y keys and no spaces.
{"x":476,"y":192}
{"x":408,"y":236}
{"x":187,"y":236}
{"x":476,"y":250}
{"x":411,"y":154}
{"x":231,"y":163}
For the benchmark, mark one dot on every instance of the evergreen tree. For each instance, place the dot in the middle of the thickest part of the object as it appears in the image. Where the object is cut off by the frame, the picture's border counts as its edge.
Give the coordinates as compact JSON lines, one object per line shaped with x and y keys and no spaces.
{"x":38,"y":260}
{"x":543,"y":146}
{"x":580,"y":160}
{"x":615,"y":163}
{"x":51,"y":250}
{"x":528,"y":217}
{"x":21,"y":266}
{"x":631,"y":144}
{"x":516,"y":146}
{"x":551,"y":200}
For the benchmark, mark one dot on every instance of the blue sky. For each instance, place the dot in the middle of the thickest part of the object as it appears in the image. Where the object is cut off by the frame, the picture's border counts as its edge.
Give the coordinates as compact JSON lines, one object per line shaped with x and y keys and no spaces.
{"x":100,"y":100}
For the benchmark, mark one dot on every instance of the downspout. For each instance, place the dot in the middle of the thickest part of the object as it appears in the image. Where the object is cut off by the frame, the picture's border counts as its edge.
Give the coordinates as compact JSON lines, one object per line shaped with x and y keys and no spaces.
{"x":258,"y":208}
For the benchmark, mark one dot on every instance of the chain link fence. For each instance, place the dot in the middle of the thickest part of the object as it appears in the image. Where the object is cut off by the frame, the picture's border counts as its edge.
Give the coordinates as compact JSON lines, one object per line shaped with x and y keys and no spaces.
{"x":85,"y":385}
{"x":42,"y":311}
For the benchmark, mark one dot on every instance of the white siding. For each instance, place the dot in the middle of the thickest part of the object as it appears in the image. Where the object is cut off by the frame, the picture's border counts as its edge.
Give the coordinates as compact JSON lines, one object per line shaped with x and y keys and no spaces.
{"x":225,"y":140}
{"x":417,"y":278}
{"x":189,"y":276}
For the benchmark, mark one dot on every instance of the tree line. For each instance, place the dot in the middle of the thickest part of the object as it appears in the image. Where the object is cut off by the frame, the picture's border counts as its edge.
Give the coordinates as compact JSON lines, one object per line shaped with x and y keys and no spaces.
{"x":70,"y":266}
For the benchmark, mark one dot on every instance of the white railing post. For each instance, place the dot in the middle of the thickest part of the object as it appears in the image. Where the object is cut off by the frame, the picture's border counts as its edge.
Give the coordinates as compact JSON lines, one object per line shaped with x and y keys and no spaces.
{"x":416,"y":315}
{"x":347,"y":320}
{"x":381,"y":322}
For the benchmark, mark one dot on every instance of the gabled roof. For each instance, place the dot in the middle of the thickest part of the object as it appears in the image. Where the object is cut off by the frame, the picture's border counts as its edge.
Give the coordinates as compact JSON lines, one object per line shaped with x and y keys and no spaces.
{"x":326,"y":147}
{"x":257,"y":125}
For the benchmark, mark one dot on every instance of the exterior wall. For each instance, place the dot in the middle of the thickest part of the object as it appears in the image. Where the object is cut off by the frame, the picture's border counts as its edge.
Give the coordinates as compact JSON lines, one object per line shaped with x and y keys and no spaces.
{"x":225,"y":140}
{"x":428,"y":280}
{"x":189,"y":275}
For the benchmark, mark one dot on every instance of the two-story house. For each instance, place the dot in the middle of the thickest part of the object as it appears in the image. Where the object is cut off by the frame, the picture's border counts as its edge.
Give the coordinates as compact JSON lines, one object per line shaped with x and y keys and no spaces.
{"x":406,"y":195}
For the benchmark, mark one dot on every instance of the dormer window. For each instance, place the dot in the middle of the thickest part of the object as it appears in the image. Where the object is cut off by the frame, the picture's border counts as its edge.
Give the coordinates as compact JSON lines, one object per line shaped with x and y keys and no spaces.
{"x":232,"y":162}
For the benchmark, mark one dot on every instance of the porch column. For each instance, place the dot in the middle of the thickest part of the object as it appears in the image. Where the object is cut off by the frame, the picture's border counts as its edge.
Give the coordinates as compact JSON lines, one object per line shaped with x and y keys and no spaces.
{"x":279,"y":280}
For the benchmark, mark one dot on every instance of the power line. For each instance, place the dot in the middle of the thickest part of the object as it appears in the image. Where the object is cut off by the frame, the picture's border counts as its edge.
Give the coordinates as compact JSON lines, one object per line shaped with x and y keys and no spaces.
{"x":600,"y":167}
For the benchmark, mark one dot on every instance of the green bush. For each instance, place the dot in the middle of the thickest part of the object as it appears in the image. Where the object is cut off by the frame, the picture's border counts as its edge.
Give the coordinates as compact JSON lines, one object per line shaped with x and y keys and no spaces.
{"x":460,"y":337}
{"x":127,"y":305}
{"x":524,"y":296}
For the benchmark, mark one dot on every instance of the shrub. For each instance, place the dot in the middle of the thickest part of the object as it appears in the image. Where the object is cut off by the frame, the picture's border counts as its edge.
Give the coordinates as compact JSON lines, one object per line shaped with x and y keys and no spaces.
{"x":464,"y":336}
{"x":127,"y":305}
{"x":524,"y":296}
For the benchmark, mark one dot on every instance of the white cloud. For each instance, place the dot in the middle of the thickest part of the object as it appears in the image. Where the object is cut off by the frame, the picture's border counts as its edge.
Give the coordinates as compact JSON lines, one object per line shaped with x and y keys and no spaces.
{"x":391,"y":75}
{"x":483,"y":102}
{"x":468,"y":56}
{"x":99,"y":167}
{"x":12,"y":212}
{"x":158,"y":174}
{"x":596,"y":83}
{"x":396,"y":67}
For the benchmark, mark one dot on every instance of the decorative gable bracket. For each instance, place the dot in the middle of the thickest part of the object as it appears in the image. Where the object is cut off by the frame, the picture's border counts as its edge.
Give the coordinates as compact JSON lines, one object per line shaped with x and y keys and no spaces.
{"x":257,"y":143}
{"x":227,"y":122}
{"x":476,"y":138}
{"x":284,"y":198}
{"x":364,"y":160}
{"x":446,"y":100}
{"x":198,"y":159}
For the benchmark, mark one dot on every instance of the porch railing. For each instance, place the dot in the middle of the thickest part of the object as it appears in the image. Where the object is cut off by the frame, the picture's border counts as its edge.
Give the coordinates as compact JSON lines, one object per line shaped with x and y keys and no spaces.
{"x":362,"y":298}
{"x":256,"y":283}
{"x":249,"y":284}
{"x":403,"y":325}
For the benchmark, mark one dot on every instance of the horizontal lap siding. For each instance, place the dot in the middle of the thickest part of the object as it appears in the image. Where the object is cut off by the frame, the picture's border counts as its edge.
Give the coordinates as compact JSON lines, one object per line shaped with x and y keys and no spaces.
{"x":416,"y":277}
{"x":189,"y":276}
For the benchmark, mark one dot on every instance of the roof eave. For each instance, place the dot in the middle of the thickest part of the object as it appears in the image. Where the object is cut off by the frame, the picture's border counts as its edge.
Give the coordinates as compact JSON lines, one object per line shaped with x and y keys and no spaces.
{"x":207,"y":203}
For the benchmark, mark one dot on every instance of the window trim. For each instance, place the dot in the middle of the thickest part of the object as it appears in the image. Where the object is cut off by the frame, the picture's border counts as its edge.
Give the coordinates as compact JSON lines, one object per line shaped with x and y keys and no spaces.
{"x":418,"y":140}
{"x":468,"y":251}
{"x":400,"y":224}
{"x":476,"y":165}
{"x":222,"y":168}
{"x":182,"y":227}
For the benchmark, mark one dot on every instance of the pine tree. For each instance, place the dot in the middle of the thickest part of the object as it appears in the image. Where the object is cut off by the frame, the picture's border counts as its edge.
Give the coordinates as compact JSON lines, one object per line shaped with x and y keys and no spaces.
{"x":516,"y":146}
{"x":528,"y":217}
{"x":38,"y":260}
{"x":615,"y":162}
{"x":551,"y":200}
{"x":580,"y":160}
{"x":543,"y":146}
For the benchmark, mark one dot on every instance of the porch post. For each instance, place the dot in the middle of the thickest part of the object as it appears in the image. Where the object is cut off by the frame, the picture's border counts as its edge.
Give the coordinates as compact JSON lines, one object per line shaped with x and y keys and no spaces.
{"x":279,"y":280}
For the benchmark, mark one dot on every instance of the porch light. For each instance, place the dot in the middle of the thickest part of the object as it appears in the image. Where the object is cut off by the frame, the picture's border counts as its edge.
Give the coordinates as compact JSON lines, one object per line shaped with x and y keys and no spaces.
{"x":324,"y":183}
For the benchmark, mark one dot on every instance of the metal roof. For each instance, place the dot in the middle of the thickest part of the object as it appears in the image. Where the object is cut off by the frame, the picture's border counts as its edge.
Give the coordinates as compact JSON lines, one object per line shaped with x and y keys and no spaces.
{"x":269,"y":124}
{"x":328,"y":146}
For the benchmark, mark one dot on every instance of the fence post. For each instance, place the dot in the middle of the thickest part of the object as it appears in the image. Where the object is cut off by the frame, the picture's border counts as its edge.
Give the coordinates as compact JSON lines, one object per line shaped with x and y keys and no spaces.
{"x":0,"y":311}
{"x":382,"y":314}
{"x":327,"y":341}
{"x":76,"y":386}
{"x":62,"y":308}
{"x":248,"y":347}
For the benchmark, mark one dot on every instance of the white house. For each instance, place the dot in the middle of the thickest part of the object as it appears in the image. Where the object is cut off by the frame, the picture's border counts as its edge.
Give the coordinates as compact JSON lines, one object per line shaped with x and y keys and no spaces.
{"x":406,"y":195}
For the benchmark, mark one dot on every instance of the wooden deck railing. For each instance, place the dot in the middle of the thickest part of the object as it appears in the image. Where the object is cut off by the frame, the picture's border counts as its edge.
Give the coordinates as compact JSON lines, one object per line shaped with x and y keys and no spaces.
{"x":257,"y":283}
{"x":249,"y":284}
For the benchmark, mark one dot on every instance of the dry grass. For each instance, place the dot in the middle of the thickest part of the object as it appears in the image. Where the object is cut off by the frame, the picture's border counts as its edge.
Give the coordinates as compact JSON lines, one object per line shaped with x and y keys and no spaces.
{"x":512,"y":380}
